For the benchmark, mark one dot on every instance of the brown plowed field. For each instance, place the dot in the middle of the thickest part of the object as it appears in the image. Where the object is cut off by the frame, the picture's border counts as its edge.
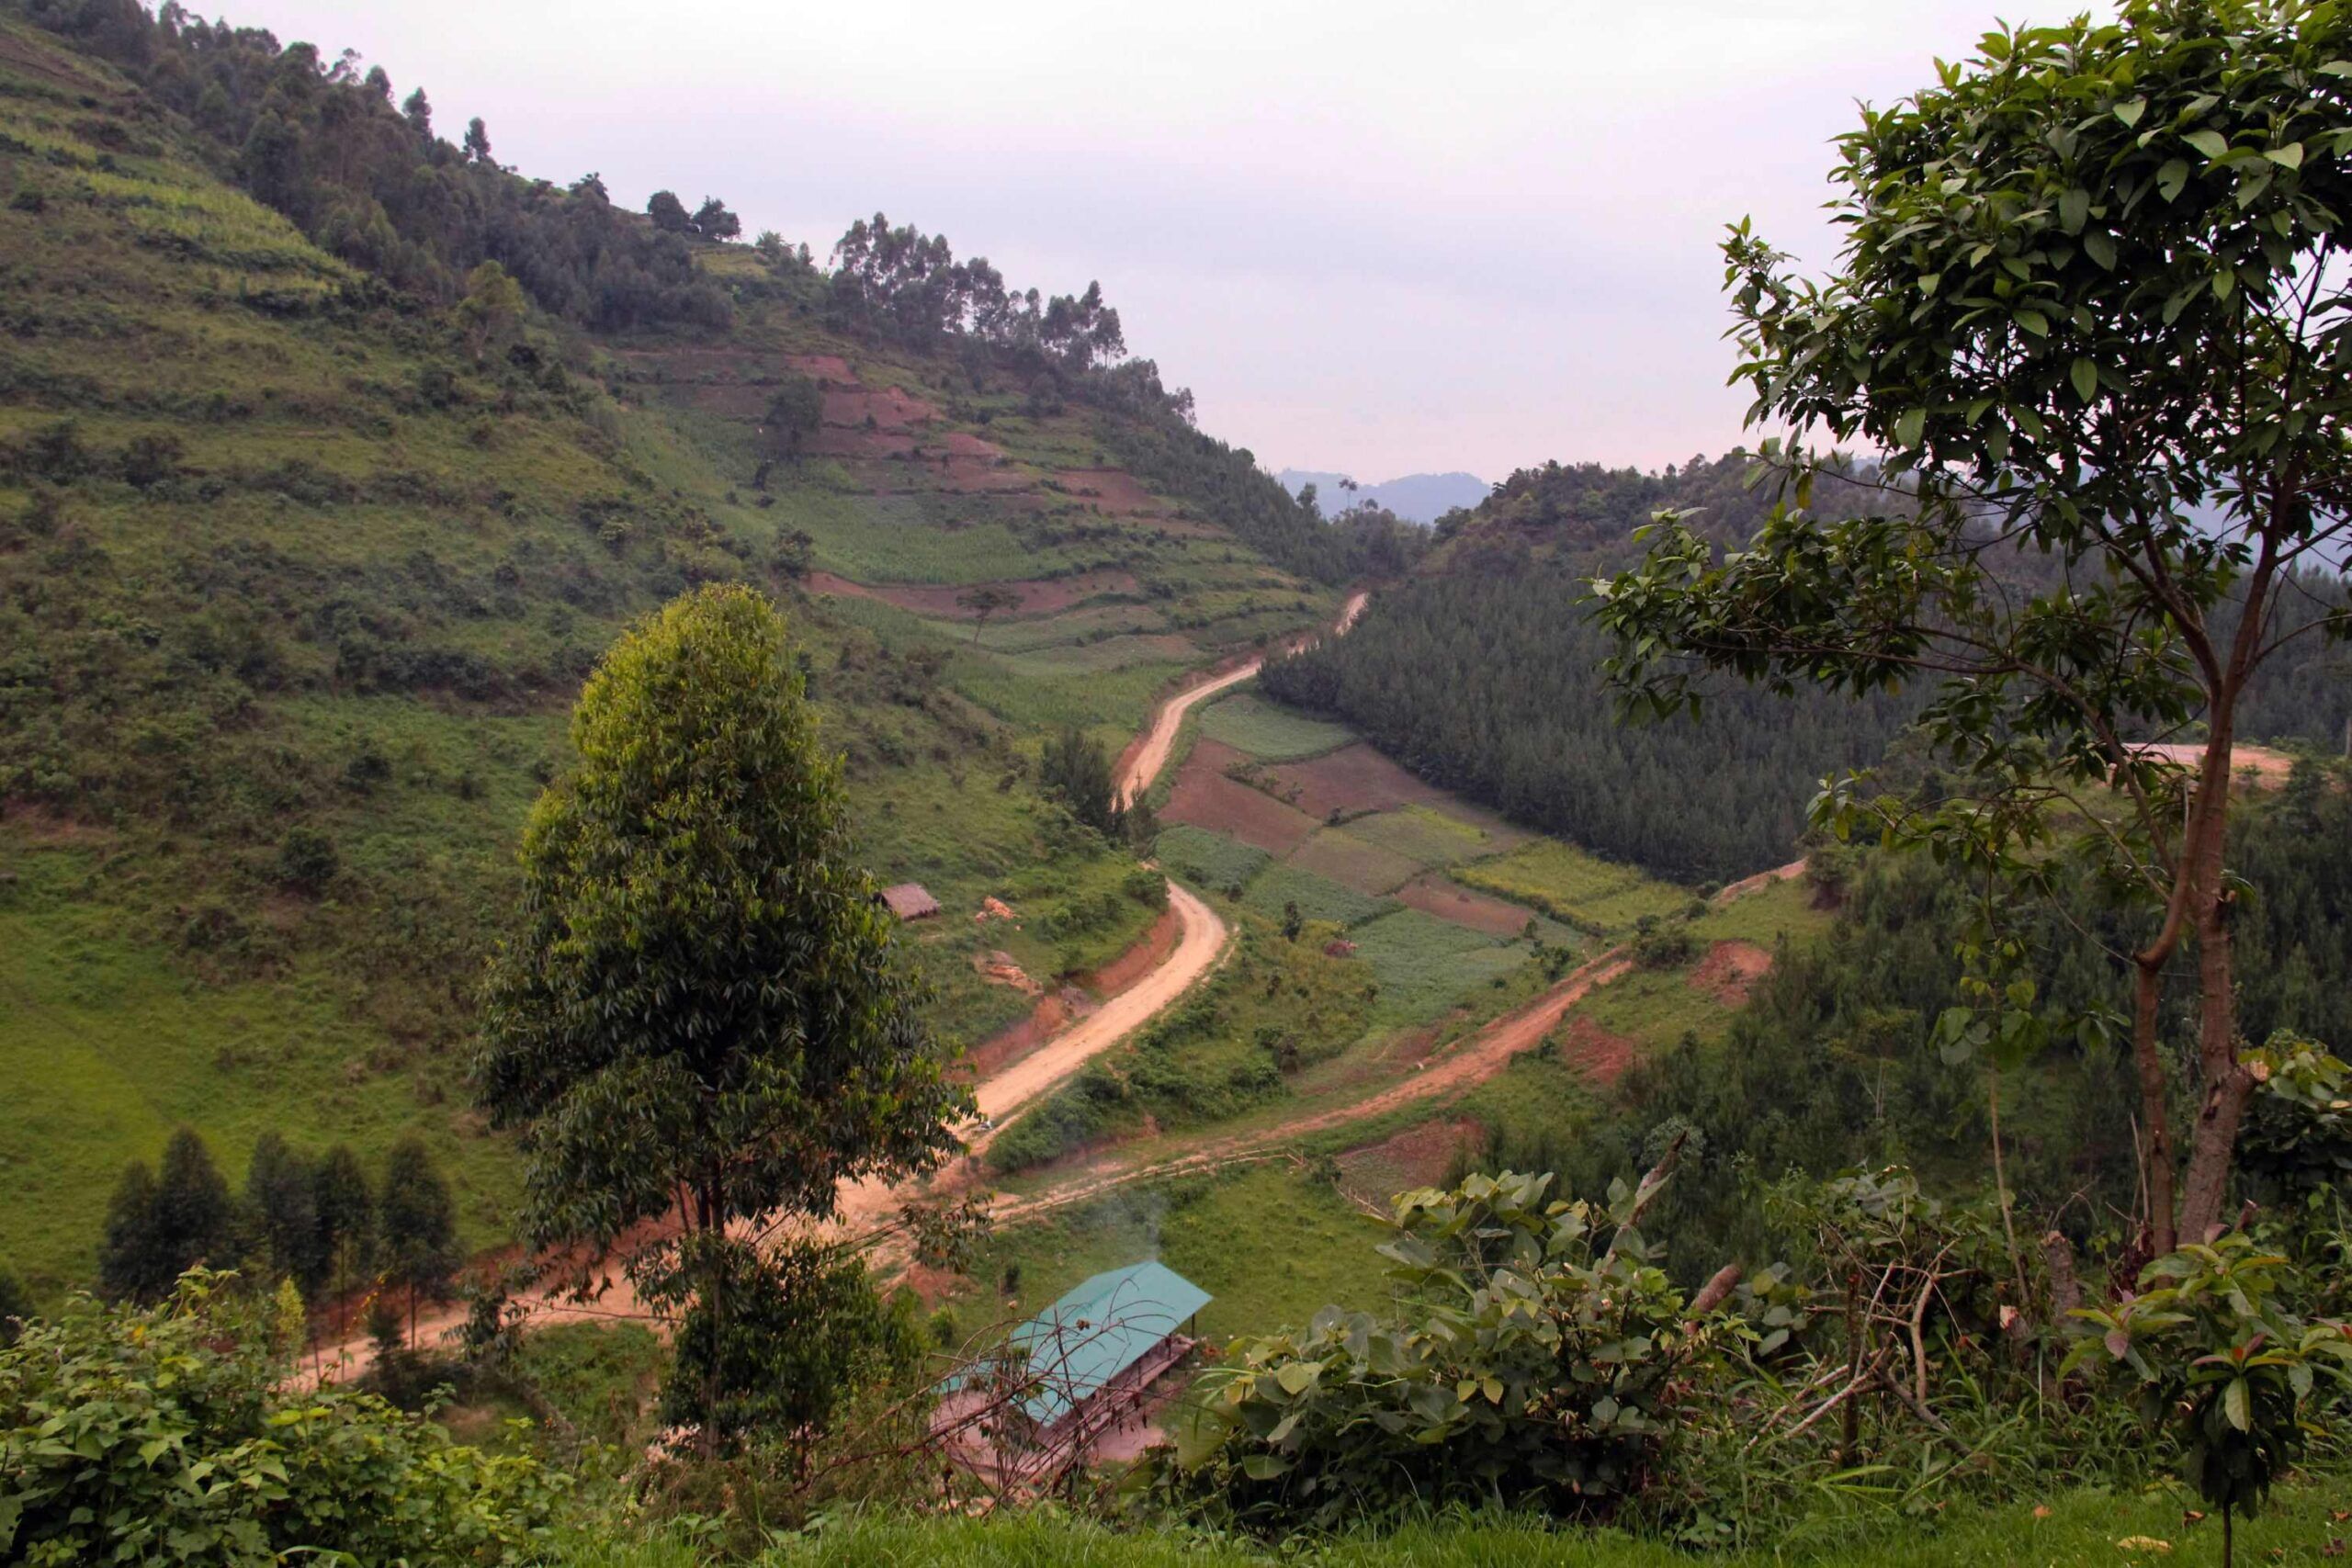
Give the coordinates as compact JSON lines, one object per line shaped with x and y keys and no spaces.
{"x":1112,"y":489}
{"x":1357,"y":778}
{"x":1204,"y":798}
{"x":889,"y":408}
{"x":1437,"y":894}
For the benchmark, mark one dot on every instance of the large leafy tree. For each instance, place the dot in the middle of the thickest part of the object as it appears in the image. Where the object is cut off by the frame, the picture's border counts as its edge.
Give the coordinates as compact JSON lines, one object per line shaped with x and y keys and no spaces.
{"x":2092,"y":306}
{"x":698,"y":1013}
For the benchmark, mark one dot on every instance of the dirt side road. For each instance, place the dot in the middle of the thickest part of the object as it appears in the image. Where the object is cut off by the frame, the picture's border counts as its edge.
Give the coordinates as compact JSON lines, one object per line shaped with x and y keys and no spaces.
{"x":1147,"y":762}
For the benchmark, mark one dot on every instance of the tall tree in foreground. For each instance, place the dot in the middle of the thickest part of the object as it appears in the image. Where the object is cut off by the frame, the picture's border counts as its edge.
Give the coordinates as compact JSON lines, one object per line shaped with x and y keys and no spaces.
{"x":2094,"y":286}
{"x":698,"y":1013}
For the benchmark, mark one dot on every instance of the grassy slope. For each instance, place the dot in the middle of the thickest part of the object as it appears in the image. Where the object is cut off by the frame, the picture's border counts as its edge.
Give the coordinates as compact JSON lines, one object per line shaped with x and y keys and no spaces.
{"x":361,"y":600}
{"x":2304,"y":1525}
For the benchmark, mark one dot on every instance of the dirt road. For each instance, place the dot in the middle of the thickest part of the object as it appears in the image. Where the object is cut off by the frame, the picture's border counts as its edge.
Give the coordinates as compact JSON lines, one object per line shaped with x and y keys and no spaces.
{"x":1488,"y":1052}
{"x":1145,"y":766}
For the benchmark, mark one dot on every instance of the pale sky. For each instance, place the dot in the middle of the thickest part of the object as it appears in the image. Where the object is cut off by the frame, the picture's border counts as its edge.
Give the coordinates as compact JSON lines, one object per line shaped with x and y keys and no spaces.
{"x":1371,"y":237}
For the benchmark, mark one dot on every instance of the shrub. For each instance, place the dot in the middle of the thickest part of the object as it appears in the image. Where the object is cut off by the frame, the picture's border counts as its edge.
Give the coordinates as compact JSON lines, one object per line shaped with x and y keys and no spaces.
{"x":1538,"y":1371}
{"x":308,"y":859}
{"x":168,"y":1434}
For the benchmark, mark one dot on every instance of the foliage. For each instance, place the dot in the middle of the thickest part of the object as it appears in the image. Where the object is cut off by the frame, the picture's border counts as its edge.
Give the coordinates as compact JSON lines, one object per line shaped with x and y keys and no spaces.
{"x":803,"y":1330}
{"x":1541,"y":1370}
{"x":144,"y":1434}
{"x":162,"y":1224}
{"x":1076,"y":770}
{"x":700,"y":1004}
{"x":1482,"y":673}
{"x":416,"y":1232}
{"x":2088,"y":289}
{"x":2225,"y":1363}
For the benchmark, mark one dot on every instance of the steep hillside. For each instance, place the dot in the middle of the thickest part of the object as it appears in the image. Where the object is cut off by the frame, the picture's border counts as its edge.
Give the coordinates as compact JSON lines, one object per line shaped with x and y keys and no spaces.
{"x":305,"y":547}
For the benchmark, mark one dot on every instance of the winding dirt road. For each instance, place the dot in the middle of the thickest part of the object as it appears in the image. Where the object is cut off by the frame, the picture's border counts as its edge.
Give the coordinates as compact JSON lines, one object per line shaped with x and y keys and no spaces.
{"x":1146,"y":764}
{"x":1200,"y":944}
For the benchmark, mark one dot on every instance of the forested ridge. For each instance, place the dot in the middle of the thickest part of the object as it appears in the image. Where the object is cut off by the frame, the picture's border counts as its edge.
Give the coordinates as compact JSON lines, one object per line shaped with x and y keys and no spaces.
{"x":1483,"y":673}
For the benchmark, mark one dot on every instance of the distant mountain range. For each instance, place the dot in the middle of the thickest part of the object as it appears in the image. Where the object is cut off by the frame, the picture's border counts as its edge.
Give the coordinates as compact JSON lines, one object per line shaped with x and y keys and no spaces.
{"x":1416,"y":498}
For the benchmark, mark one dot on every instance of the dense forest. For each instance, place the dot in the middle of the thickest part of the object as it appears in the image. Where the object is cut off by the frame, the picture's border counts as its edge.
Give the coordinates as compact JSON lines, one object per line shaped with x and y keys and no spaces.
{"x":1835,"y":1063}
{"x":1482,"y":673}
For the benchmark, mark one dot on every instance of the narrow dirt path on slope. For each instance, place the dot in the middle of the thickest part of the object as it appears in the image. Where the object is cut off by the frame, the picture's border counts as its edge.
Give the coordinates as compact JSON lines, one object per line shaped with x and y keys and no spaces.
{"x":1488,"y":1052}
{"x":1145,"y":762}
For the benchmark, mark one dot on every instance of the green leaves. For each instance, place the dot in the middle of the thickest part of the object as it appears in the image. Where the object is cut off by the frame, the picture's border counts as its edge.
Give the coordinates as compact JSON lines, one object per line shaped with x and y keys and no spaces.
{"x":2212,"y":143}
{"x":2170,"y":178}
{"x":1911,"y":427}
{"x":2085,"y":375}
{"x":2075,"y":209}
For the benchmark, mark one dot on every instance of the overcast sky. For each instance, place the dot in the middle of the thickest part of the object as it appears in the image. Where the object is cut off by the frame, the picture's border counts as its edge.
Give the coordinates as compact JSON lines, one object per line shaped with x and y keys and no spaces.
{"x":1380,"y":238}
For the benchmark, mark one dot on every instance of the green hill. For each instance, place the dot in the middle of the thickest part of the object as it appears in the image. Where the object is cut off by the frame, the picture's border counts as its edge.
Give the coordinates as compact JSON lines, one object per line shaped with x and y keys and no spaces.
{"x":310,"y":524}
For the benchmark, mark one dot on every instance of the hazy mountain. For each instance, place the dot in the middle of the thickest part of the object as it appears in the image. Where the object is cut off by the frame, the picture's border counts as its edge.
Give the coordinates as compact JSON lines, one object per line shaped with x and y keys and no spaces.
{"x":1416,"y":498}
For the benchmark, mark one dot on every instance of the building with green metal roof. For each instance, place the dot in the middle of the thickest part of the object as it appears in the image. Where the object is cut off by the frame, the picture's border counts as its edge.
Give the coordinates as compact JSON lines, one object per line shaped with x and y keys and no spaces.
{"x":1102,"y":1333}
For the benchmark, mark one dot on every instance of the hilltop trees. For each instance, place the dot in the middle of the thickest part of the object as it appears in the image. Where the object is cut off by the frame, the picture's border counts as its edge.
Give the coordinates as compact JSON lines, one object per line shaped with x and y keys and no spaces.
{"x":2092,"y":284}
{"x":698,"y":1011}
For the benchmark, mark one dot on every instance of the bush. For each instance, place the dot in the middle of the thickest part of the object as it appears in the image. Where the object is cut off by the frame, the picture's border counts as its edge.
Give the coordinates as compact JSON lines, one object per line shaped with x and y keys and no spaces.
{"x":308,"y":860}
{"x":168,"y":1434}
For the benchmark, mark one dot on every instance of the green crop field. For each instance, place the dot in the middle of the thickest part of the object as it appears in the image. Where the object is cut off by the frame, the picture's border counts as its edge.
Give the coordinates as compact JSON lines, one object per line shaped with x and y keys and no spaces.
{"x":1427,"y":965}
{"x":1426,"y":836}
{"x":1208,"y":860}
{"x":1574,"y":886}
{"x":1271,"y":734}
{"x":1317,"y":898}
{"x":1271,"y":1245}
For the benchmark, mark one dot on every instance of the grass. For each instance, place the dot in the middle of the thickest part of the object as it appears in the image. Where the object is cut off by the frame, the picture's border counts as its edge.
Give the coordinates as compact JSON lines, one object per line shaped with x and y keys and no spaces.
{"x":1574,"y":886}
{"x":362,"y":601}
{"x":1656,"y":1007}
{"x":2058,"y":1527}
{"x":1208,"y":860}
{"x":1425,"y":965}
{"x":110,"y":1045}
{"x":1763,"y":917}
{"x":1317,"y":898}
{"x":1271,"y":1244}
{"x":1270,"y":733}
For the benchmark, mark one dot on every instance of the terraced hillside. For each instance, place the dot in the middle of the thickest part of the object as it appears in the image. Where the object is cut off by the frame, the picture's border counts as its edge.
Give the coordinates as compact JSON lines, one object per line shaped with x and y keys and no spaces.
{"x":300,"y":571}
{"x":1454,"y":985}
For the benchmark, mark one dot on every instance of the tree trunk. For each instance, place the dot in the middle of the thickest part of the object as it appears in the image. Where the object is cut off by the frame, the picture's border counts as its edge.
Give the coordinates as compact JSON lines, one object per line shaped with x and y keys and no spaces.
{"x":2226,"y":1086}
{"x":2156,"y":1118}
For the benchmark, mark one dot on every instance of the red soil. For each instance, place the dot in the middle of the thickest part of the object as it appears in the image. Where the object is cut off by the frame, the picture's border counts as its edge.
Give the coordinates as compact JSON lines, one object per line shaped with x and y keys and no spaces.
{"x":888,"y":407}
{"x":1357,"y":778}
{"x":1417,"y":1157}
{"x":1139,"y":960}
{"x":1593,"y":1051}
{"x":1730,"y":971}
{"x":1204,"y":798}
{"x":1437,"y":894}
{"x":1009,"y":1045}
{"x":2268,"y":769}
{"x":1114,"y":491}
{"x":963,"y":444}
{"x":838,"y":441}
{"x":1043,"y":596}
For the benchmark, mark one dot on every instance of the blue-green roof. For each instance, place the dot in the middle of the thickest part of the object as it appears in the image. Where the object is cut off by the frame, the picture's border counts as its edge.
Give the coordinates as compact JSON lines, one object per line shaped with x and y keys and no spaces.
{"x":1098,"y":1330}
